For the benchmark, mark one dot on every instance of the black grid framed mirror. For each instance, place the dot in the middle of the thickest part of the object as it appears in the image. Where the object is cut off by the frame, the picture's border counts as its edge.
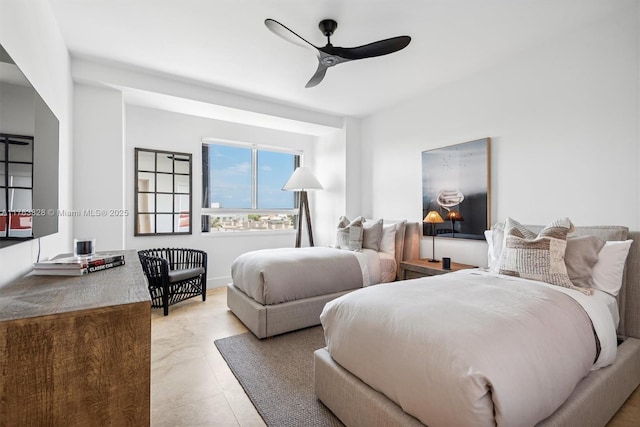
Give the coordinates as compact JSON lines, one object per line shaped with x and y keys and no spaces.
{"x":163,"y":190}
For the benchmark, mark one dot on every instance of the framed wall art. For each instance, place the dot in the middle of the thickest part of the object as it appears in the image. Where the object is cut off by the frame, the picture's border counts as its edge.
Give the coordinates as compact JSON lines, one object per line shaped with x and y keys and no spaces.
{"x":456,"y":185}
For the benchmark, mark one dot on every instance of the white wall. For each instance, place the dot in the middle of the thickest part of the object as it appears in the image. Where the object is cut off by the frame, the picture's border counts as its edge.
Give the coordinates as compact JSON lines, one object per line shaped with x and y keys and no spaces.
{"x":98,"y":164}
{"x":563,"y":120}
{"x":329,"y":204}
{"x":338,"y":168}
{"x":30,"y":34}
{"x":354,"y":148}
{"x":163,"y":130}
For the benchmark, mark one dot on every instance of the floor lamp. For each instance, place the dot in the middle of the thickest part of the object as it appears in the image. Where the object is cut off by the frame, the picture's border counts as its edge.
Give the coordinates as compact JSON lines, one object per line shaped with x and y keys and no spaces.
{"x":302,"y":180}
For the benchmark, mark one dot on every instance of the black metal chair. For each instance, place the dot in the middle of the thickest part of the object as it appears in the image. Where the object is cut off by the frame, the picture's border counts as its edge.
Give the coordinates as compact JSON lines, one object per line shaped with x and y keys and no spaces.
{"x":174,"y":275}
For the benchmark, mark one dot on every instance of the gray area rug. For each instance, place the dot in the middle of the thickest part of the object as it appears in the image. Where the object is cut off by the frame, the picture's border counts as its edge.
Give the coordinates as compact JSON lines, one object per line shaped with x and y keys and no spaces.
{"x":277,"y":375}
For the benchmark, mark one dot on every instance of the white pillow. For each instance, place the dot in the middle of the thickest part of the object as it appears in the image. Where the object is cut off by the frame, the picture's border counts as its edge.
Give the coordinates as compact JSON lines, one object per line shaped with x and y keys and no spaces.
{"x":496,"y":242}
{"x":388,"y":239}
{"x":491,"y":256}
{"x":608,"y":271}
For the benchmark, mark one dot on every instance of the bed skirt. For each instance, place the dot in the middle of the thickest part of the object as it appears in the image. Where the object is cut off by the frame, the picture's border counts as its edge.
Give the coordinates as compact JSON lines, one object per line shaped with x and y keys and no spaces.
{"x":594,"y":401}
{"x":269,"y":320}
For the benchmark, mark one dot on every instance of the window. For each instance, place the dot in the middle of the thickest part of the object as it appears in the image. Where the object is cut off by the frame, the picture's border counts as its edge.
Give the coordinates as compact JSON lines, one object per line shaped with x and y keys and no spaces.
{"x":163,"y":192}
{"x":242,"y":188}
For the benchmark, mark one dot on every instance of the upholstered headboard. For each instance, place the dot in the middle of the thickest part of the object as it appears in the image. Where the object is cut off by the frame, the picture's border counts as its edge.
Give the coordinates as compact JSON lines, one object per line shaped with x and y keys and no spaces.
{"x":407,"y":242}
{"x":629,"y":296}
{"x":412,"y":236}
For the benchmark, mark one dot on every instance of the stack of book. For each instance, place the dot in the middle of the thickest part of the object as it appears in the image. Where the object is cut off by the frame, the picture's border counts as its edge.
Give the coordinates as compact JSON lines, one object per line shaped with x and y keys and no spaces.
{"x":73,"y":266}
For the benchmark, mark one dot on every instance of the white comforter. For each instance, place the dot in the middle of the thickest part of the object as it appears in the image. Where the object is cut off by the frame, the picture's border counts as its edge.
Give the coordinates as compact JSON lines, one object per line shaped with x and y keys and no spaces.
{"x":470,"y":348}
{"x":274,"y":276}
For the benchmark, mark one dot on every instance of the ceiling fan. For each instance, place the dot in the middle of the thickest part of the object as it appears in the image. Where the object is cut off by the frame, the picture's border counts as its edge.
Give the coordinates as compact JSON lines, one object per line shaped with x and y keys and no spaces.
{"x":330,"y":55}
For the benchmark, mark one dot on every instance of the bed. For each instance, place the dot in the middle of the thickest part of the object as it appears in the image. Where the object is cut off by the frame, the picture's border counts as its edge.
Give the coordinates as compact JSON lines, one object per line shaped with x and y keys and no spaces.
{"x":280,"y":290}
{"x":575,"y":390}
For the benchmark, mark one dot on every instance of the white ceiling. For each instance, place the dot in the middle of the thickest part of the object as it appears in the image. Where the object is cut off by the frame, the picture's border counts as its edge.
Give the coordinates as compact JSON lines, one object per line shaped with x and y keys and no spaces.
{"x":225,"y":44}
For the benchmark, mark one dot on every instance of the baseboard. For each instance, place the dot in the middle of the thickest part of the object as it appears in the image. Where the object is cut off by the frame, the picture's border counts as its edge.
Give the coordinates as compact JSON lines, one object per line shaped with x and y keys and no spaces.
{"x":218,"y":282}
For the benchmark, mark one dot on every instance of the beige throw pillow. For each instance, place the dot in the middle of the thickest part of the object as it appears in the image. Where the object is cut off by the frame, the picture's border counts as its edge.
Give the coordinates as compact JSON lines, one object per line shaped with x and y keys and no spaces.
{"x":580,"y":257}
{"x":372,"y":233}
{"x":539,"y":258}
{"x":350,"y":234}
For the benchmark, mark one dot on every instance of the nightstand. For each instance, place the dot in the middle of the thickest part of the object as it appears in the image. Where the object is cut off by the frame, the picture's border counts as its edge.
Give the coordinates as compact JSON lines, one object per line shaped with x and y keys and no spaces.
{"x":416,"y":268}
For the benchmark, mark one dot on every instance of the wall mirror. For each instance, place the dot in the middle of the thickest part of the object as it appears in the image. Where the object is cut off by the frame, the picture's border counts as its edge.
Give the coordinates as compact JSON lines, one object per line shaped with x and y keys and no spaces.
{"x":29,"y":139}
{"x":162,"y":192}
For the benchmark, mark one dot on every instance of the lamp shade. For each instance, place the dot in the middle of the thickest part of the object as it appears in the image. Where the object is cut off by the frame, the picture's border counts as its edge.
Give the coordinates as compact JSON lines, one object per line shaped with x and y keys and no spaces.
{"x":433,"y":217}
{"x":301,"y":180}
{"x":454,"y":216}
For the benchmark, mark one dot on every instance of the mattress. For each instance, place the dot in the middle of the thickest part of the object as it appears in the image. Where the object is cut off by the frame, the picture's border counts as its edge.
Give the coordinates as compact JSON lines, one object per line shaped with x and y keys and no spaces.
{"x":471,"y":348}
{"x":275,"y":276}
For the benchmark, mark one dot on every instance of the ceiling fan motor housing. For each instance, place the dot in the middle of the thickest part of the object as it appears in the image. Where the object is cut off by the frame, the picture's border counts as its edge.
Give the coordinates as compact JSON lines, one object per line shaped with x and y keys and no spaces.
{"x":328,"y":26}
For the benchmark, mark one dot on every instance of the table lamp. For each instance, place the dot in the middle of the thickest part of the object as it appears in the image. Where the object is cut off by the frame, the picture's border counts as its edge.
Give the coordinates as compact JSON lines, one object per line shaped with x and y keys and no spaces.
{"x":433,"y":218}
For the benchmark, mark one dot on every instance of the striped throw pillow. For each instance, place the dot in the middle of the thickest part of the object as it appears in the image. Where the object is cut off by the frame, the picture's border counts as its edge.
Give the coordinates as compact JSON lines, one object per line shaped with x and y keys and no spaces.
{"x":538,"y":257}
{"x":350,"y":234}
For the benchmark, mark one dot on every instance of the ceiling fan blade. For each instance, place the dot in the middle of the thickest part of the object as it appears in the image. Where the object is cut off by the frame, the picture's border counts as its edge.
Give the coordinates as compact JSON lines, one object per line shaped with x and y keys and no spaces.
{"x":280,"y":30}
{"x":379,"y":48}
{"x":318,"y":76}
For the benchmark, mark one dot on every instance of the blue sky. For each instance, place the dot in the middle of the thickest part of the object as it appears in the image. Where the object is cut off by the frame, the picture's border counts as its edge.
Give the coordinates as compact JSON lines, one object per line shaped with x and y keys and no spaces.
{"x":230,"y":179}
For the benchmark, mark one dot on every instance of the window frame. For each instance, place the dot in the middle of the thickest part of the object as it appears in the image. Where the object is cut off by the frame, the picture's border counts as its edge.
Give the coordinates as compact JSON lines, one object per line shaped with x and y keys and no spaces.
{"x":255,"y":148}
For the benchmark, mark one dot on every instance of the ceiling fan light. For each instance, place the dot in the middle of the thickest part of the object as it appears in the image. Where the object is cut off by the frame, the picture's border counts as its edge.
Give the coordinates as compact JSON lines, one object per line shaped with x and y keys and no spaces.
{"x":329,"y":61}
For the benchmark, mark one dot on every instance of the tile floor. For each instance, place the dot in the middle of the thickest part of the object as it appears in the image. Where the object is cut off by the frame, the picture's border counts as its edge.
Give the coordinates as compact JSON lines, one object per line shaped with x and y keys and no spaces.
{"x":191,"y":385}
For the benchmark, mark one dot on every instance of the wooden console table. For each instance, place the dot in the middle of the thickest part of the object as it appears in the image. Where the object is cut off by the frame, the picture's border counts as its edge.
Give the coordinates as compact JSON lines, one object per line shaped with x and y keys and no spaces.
{"x":75,"y":351}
